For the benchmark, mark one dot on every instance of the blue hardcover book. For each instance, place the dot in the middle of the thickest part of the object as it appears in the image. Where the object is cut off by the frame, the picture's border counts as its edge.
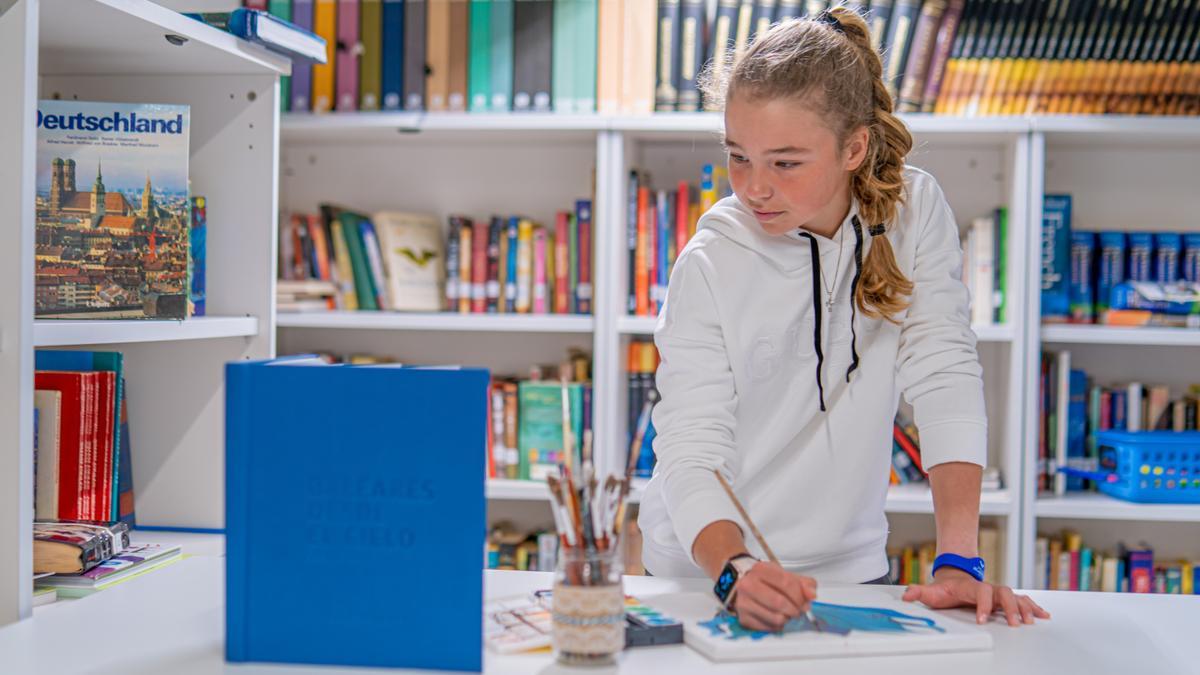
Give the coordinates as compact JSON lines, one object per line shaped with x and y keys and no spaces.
{"x":393,"y":54}
{"x":510,"y":284}
{"x":269,"y":31}
{"x":382,"y":470}
{"x":1056,"y":257}
{"x":87,"y":362}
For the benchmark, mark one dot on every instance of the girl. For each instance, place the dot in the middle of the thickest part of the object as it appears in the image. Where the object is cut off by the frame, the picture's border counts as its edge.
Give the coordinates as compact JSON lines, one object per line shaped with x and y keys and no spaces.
{"x":801,"y":310}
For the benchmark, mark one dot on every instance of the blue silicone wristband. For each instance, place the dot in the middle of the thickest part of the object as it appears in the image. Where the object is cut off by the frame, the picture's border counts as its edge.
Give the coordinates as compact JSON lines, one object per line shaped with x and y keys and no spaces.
{"x":972,"y":566}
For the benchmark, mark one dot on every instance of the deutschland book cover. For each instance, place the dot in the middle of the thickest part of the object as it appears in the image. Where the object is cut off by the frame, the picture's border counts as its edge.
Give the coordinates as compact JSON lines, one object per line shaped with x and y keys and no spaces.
{"x":112,"y":211}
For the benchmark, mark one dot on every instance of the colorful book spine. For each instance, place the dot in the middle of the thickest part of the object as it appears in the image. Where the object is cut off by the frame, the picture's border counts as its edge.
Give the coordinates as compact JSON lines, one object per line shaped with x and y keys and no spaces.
{"x":453,"y":256}
{"x":583,"y":290}
{"x":562,"y":62}
{"x":347,"y":55}
{"x":502,"y":55}
{"x":415,"y":12}
{"x":524,"y":266}
{"x":392,"y":67}
{"x":586,"y":48}
{"x":666,"y":92}
{"x":539,"y":271}
{"x":510,"y":281}
{"x":562,"y":283}
{"x":480,"y":75}
{"x":480,"y":240}
{"x":1056,"y":252}
{"x":495,"y":273}
{"x":370,"y":73}
{"x":466,"y":255}
{"x":325,"y":14}
{"x":302,"y":69}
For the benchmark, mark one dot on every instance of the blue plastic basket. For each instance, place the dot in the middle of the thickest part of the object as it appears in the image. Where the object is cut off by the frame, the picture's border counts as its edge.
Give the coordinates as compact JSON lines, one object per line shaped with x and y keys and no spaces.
{"x":1150,"y":467}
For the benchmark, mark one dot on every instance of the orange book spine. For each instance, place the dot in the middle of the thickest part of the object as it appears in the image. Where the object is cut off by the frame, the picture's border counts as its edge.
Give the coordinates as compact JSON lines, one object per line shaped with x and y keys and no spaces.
{"x":324,"y":25}
{"x":641,"y":277}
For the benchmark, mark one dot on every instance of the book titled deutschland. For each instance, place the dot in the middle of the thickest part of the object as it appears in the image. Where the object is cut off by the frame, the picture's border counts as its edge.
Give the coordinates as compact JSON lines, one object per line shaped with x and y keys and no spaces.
{"x":112,"y":211}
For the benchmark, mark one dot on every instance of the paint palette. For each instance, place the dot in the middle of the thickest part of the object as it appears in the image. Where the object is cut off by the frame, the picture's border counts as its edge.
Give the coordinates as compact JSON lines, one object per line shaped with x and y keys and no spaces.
{"x":518,"y":624}
{"x":645,"y":626}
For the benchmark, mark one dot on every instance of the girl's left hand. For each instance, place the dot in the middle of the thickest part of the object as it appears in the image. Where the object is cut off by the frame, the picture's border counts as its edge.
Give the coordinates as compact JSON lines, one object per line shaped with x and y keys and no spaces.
{"x":955,"y":588}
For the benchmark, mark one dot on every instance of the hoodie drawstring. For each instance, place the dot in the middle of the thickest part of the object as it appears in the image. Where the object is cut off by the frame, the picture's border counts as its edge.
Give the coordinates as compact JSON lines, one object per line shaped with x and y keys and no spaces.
{"x":816,"y":267}
{"x":858,"y":249}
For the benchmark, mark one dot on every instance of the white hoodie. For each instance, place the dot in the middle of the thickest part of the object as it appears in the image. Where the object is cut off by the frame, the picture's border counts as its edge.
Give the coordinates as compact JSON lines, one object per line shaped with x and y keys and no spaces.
{"x":738,"y":383}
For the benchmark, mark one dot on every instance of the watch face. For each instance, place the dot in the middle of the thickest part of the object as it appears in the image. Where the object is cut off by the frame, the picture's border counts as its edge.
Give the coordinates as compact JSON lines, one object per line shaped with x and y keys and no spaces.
{"x":724,"y":583}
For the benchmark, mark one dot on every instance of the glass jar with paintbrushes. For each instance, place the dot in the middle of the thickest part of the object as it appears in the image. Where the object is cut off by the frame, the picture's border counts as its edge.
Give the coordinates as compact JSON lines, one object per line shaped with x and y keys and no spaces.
{"x":588,"y":598}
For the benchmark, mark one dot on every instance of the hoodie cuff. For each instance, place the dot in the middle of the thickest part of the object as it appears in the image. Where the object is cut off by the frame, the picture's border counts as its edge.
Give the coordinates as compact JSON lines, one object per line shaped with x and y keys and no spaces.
{"x":953,"y":441}
{"x":700,"y":507}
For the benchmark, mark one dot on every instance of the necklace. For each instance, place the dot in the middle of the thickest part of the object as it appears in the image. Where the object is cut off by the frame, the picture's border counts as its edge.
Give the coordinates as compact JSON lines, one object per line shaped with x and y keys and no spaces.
{"x":837,"y":268}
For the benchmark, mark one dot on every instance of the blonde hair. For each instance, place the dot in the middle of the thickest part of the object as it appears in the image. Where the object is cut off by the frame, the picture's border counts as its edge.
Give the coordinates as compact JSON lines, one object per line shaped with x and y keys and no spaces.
{"x":835,"y":70}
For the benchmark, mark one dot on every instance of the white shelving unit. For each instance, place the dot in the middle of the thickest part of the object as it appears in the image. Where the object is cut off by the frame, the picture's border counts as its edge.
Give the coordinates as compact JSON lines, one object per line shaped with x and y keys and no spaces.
{"x":1128,"y":174}
{"x":138,"y":51}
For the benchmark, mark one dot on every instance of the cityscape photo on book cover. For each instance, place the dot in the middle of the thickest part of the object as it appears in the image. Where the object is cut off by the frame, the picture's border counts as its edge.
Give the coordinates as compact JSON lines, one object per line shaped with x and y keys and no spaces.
{"x":112,"y":210}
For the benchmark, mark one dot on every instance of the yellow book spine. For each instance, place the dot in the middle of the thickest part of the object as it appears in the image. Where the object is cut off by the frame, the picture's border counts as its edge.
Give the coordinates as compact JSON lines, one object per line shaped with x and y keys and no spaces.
{"x":524,"y":266}
{"x":324,"y":25}
{"x":950,"y":78}
{"x":465,"y":257}
{"x":345,"y":272}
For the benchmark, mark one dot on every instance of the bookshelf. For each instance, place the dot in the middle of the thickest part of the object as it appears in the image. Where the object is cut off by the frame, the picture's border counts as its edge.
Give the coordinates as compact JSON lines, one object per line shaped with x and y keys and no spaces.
{"x":138,"y":51}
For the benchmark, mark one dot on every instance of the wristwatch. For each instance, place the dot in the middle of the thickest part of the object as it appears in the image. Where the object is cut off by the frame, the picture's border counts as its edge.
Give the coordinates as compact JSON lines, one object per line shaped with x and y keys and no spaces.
{"x":737,"y":567}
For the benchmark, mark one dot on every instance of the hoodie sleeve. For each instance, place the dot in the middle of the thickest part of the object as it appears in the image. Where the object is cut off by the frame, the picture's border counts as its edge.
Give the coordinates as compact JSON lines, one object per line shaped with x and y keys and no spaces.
{"x":694,"y":419}
{"x":938,"y":367}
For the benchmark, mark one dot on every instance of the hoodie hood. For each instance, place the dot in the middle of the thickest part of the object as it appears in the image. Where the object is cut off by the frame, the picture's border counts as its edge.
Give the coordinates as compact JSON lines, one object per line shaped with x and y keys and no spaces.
{"x":789,"y":252}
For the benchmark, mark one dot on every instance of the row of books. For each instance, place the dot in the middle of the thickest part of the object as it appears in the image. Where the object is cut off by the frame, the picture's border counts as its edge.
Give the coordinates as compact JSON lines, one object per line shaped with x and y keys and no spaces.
{"x":511,"y":548}
{"x":658,"y":224}
{"x":73,"y":559}
{"x":1062,"y":563}
{"x":133,"y":244}
{"x":82,"y":456}
{"x":1066,"y":56}
{"x":1074,"y":407}
{"x":514,"y":265}
{"x":341,"y":259}
{"x":914,"y":564}
{"x":641,"y":366}
{"x":525,"y":439}
{"x":1116,"y":278}
{"x":985,"y":266}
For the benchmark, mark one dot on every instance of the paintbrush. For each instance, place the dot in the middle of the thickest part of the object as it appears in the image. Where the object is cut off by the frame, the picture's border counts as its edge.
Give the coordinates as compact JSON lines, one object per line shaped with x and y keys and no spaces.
{"x":636,"y":445}
{"x":757,"y":535}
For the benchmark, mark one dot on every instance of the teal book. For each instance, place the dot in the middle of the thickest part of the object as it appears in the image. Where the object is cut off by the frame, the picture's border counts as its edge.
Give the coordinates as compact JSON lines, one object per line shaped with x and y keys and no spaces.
{"x":364,"y":284}
{"x":564,"y":53}
{"x":386,"y":472}
{"x":586,"y":36}
{"x":502,"y":55}
{"x":283,"y":10}
{"x":540,"y":426}
{"x":479,"y":74}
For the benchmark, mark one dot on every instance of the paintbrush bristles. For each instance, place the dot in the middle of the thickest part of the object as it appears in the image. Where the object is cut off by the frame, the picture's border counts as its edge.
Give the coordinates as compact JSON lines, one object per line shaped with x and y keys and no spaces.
{"x":588,"y":512}
{"x":746,"y":517}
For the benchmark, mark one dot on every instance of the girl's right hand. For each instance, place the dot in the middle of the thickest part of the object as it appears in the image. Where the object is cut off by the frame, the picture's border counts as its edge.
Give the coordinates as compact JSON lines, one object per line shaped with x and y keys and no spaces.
{"x":768,"y":596}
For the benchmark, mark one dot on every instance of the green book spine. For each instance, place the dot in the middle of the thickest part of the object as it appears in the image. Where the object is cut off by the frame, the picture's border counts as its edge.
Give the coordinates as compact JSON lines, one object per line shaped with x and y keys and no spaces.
{"x":370,"y":66}
{"x":283,"y":10}
{"x":364,"y":287}
{"x":562,"y":65}
{"x":502,"y":55}
{"x":586,"y":27}
{"x":479,"y":79}
{"x":539,"y":428}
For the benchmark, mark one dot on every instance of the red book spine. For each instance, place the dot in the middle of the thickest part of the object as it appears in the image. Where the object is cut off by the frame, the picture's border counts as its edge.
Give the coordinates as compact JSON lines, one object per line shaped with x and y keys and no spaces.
{"x":561,"y":262}
{"x":255,"y":4}
{"x":907,"y":445}
{"x":106,"y":450}
{"x":682,"y":202}
{"x":651,"y":253}
{"x":479,"y":266}
{"x":70,"y":438}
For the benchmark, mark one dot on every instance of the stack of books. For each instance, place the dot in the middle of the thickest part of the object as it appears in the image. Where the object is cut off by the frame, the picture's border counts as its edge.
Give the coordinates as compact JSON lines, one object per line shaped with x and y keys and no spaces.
{"x":78,"y":558}
{"x":1063,"y":563}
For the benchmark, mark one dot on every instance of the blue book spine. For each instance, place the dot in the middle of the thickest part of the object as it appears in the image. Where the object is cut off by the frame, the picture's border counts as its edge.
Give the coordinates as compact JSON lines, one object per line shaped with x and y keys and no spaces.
{"x":510,"y":284}
{"x":1056,"y":252}
{"x":1141,"y":256}
{"x":1083,"y":252}
{"x":301,"y":87}
{"x":1191,"y":265}
{"x":1117,"y":412}
{"x":239,"y":442}
{"x":1111,"y":268}
{"x":393,"y":55}
{"x":1168,"y":246}
{"x":1077,"y":426}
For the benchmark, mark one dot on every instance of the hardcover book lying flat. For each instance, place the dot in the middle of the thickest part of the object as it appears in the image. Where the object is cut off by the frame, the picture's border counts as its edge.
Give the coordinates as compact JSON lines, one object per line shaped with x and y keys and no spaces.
{"x":336,"y":472}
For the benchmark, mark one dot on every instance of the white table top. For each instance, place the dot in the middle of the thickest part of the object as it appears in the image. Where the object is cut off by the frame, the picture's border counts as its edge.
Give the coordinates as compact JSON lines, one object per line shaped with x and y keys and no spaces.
{"x":172,"y":621}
